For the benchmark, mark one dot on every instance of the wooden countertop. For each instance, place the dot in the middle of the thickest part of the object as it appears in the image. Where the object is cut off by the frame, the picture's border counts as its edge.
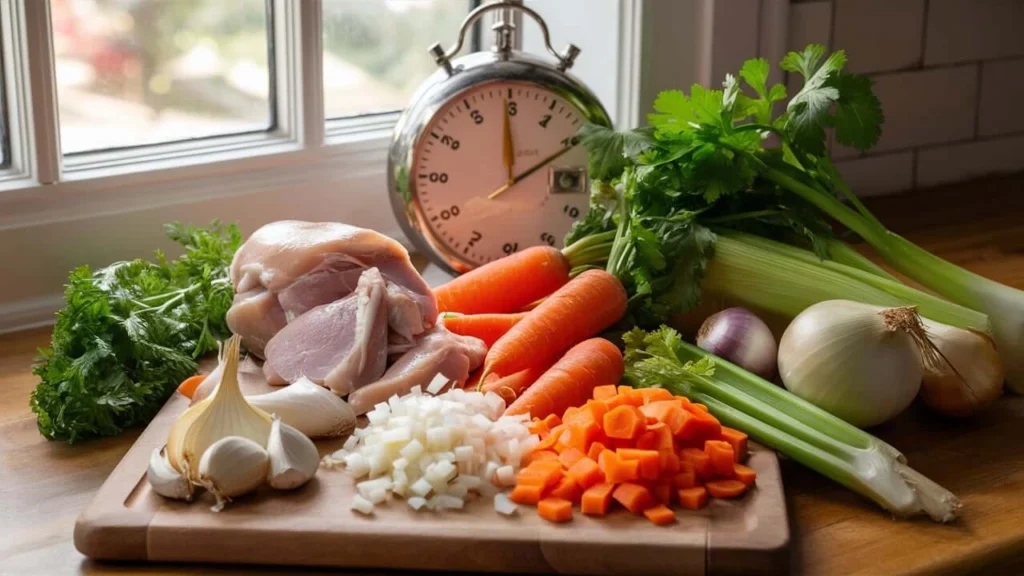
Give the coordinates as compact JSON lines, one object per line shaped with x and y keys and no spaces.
{"x":44,"y":485}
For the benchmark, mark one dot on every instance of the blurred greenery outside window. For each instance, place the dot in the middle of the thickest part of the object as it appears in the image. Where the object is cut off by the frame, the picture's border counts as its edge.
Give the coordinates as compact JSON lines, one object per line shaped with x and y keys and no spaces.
{"x":375,"y":51}
{"x":137,"y":72}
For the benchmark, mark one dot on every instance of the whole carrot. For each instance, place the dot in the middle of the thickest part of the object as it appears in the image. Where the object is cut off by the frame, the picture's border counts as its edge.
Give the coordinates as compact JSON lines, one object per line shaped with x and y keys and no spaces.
{"x":571,"y":381}
{"x":505,"y":285}
{"x":487,"y":327}
{"x":512,"y":386}
{"x":581,"y":309}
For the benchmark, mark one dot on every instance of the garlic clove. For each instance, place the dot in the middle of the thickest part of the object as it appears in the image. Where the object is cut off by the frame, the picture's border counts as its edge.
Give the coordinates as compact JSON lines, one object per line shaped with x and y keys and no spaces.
{"x":165,"y":480}
{"x":224,"y":413}
{"x":293,"y":457}
{"x":309,"y":408}
{"x":231,"y":467}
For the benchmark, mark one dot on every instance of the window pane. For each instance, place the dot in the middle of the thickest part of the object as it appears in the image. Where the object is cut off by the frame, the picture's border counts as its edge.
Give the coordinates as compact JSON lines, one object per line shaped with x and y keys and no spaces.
{"x":375,"y":51}
{"x":132,"y":72}
{"x":5,"y":135}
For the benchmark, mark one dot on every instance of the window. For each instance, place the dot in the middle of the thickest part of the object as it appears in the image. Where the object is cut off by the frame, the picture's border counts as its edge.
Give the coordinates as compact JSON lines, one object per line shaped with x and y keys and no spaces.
{"x":141,"y":72}
{"x":375,"y":51}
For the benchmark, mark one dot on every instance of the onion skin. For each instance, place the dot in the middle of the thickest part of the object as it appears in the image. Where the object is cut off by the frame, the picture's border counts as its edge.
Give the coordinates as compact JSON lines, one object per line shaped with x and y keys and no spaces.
{"x":742,"y":338}
{"x":977,"y":380}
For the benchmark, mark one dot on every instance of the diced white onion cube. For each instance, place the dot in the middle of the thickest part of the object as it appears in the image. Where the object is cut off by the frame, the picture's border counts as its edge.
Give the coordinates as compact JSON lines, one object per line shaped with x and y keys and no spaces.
{"x":504,"y":506}
{"x":505,"y":475}
{"x":421,"y":487}
{"x":362,"y":505}
{"x":417,"y":502}
{"x":437,"y":383}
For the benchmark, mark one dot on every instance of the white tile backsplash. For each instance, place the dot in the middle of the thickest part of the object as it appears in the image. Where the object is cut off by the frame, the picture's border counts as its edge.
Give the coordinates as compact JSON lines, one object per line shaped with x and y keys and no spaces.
{"x":879,"y":35}
{"x":876,"y":175}
{"x":966,"y":30}
{"x":1002,"y":98}
{"x":956,"y":162}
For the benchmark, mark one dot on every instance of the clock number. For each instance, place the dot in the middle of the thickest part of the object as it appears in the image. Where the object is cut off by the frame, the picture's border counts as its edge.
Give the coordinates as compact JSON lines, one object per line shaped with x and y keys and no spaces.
{"x":572,"y":211}
{"x":566,"y":142}
{"x":476,"y":116}
{"x":441,"y":177}
{"x":512,"y":108}
{"x":474,"y":238}
{"x":544,"y":121}
{"x":510,"y":248}
{"x":450,"y":213}
{"x":549,"y":239}
{"x":450,"y":142}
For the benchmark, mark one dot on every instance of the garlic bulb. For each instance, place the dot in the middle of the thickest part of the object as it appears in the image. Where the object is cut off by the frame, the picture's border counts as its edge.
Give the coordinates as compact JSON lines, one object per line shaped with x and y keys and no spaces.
{"x":225,"y":413}
{"x":293,"y":457}
{"x":231,"y":467}
{"x":165,"y":480}
{"x":859,"y":362}
{"x":969,"y":376}
{"x":308,"y":407}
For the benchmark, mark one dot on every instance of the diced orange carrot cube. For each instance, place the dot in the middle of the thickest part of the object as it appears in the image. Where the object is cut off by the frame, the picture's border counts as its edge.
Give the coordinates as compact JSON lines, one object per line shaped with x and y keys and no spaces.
{"x":540,"y":456}
{"x":544,"y":473}
{"x":660,"y":514}
{"x":726,"y":488}
{"x":738,"y":440}
{"x":594,"y":452}
{"x":597,"y":499}
{"x":586,"y":473}
{"x":654,"y":394}
{"x":598,"y":409}
{"x":669,"y":461}
{"x":538,"y":427}
{"x":662,"y":492}
{"x":567,"y":489}
{"x":526,"y":494}
{"x":617,"y":470}
{"x":625,"y":422}
{"x":699,"y":460}
{"x":634,"y":497}
{"x":685,"y":479}
{"x":692,"y":498}
{"x":657,"y":437}
{"x":667,"y":412}
{"x":555,"y":509}
{"x":570,"y":456}
{"x":548,"y":442}
{"x":650,"y":461}
{"x":721,"y":456}
{"x":744,"y":474}
{"x":604,"y":392}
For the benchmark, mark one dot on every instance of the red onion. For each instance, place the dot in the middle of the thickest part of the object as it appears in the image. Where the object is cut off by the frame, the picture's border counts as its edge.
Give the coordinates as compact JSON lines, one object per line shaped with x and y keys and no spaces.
{"x":742,"y":338}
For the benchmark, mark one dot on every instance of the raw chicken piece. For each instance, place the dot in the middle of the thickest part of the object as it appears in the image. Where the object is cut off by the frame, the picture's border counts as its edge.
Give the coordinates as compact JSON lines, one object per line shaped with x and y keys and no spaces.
{"x":342,"y":345}
{"x":437,"y":352}
{"x":289,"y":267}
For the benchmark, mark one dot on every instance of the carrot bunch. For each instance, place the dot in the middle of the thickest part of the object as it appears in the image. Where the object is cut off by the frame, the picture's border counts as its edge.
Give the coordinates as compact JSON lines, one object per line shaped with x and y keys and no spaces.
{"x":642,"y":448}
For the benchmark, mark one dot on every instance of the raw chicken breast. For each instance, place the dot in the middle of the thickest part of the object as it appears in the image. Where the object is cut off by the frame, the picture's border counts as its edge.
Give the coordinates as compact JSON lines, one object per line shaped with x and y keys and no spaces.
{"x":437,"y":352}
{"x":290,"y":267}
{"x":342,"y":345}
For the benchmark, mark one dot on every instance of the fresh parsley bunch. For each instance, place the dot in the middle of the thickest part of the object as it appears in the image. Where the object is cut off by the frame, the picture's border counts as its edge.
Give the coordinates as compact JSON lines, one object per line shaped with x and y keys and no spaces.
{"x":130,"y":332}
{"x":711,"y":160}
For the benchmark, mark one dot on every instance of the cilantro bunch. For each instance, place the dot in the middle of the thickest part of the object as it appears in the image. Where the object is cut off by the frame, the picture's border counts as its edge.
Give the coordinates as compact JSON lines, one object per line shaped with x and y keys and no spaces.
{"x":713,"y":160}
{"x":129,"y":333}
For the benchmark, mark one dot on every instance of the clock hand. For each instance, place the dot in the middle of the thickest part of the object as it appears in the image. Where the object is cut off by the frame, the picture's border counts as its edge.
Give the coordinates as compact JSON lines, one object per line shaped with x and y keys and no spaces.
{"x":508,"y":151}
{"x":529,"y":171}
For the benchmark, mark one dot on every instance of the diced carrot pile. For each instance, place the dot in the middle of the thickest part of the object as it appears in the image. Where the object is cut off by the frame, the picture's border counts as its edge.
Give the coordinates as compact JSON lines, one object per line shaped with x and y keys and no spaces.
{"x":643,"y":448}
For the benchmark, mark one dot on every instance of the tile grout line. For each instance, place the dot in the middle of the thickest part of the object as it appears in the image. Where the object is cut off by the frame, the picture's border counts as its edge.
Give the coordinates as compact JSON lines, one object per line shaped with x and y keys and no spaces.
{"x":913,"y":169}
{"x":933,"y":146}
{"x":977,"y":99}
{"x":924,"y":32}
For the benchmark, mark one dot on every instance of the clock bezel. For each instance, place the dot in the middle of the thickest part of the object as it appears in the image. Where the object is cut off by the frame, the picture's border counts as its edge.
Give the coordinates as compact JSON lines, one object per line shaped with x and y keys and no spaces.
{"x":472,"y":71}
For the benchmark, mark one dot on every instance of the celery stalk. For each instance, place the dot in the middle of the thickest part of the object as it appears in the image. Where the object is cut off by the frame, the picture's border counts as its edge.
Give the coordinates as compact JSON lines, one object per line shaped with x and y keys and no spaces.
{"x":843,"y":253}
{"x":786,"y":423}
{"x":1003,"y":304}
{"x":785,"y":280}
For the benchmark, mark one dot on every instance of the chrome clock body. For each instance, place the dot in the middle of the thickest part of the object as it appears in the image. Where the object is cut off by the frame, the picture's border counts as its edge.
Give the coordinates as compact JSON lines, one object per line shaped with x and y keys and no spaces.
{"x":443,"y":91}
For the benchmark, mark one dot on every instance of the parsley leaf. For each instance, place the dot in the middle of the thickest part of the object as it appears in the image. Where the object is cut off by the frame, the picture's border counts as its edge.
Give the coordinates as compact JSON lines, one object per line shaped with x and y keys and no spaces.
{"x":609,"y":150}
{"x":859,"y":117}
{"x":130,"y":332}
{"x":809,"y":109}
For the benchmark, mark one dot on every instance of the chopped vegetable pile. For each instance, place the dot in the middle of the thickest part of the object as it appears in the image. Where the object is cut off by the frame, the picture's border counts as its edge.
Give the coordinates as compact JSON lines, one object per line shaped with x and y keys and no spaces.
{"x":642,"y":448}
{"x":130,"y":333}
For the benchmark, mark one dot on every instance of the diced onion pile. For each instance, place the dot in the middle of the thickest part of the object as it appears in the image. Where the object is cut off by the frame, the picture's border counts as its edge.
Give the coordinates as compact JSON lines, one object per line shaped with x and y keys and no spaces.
{"x":436,"y":452}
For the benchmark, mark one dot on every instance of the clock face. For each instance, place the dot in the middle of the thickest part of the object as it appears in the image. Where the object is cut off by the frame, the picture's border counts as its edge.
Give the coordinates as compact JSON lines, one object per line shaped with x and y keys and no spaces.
{"x":498,"y":169}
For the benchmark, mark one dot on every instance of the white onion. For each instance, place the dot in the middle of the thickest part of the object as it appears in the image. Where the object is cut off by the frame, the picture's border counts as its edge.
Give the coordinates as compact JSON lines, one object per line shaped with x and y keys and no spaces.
{"x":742,"y":338}
{"x":435,"y":451}
{"x":859,"y":362}
{"x":968,"y":377}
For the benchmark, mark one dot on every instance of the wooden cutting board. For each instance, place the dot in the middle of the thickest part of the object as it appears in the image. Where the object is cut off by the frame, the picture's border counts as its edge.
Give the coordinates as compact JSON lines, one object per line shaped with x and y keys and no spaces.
{"x":313,"y":526}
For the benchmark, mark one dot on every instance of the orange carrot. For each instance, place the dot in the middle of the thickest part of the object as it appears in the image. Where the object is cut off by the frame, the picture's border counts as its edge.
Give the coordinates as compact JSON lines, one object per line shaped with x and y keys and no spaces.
{"x":634,"y":497}
{"x":555,"y":509}
{"x":738,"y":440}
{"x":667,"y":412}
{"x":188,"y":386}
{"x":586,"y":473}
{"x":726,"y":488}
{"x":670,"y":463}
{"x":597,"y":499}
{"x":584,"y":307}
{"x":654,"y":394}
{"x":512,"y":386}
{"x":487,"y":327}
{"x":571,"y":381}
{"x":540,"y":456}
{"x":567,"y":489}
{"x":657,"y":437}
{"x":594,"y":452}
{"x":662,"y":492}
{"x":660,"y":514}
{"x":506,"y":285}
{"x":604,"y":392}
{"x":625,"y":422}
{"x":649,"y":461}
{"x":721,"y":457}
{"x":692,"y":498}
{"x":699,"y":459}
{"x":552,"y":420}
{"x":616,"y":469}
{"x":526,"y":494}
{"x":544,"y":473}
{"x":570,"y":456}
{"x":744,"y":474}
{"x":685,"y":479}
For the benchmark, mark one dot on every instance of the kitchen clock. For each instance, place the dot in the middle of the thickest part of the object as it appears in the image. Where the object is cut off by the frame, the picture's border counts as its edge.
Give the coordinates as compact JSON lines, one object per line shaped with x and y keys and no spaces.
{"x":486,"y":160}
